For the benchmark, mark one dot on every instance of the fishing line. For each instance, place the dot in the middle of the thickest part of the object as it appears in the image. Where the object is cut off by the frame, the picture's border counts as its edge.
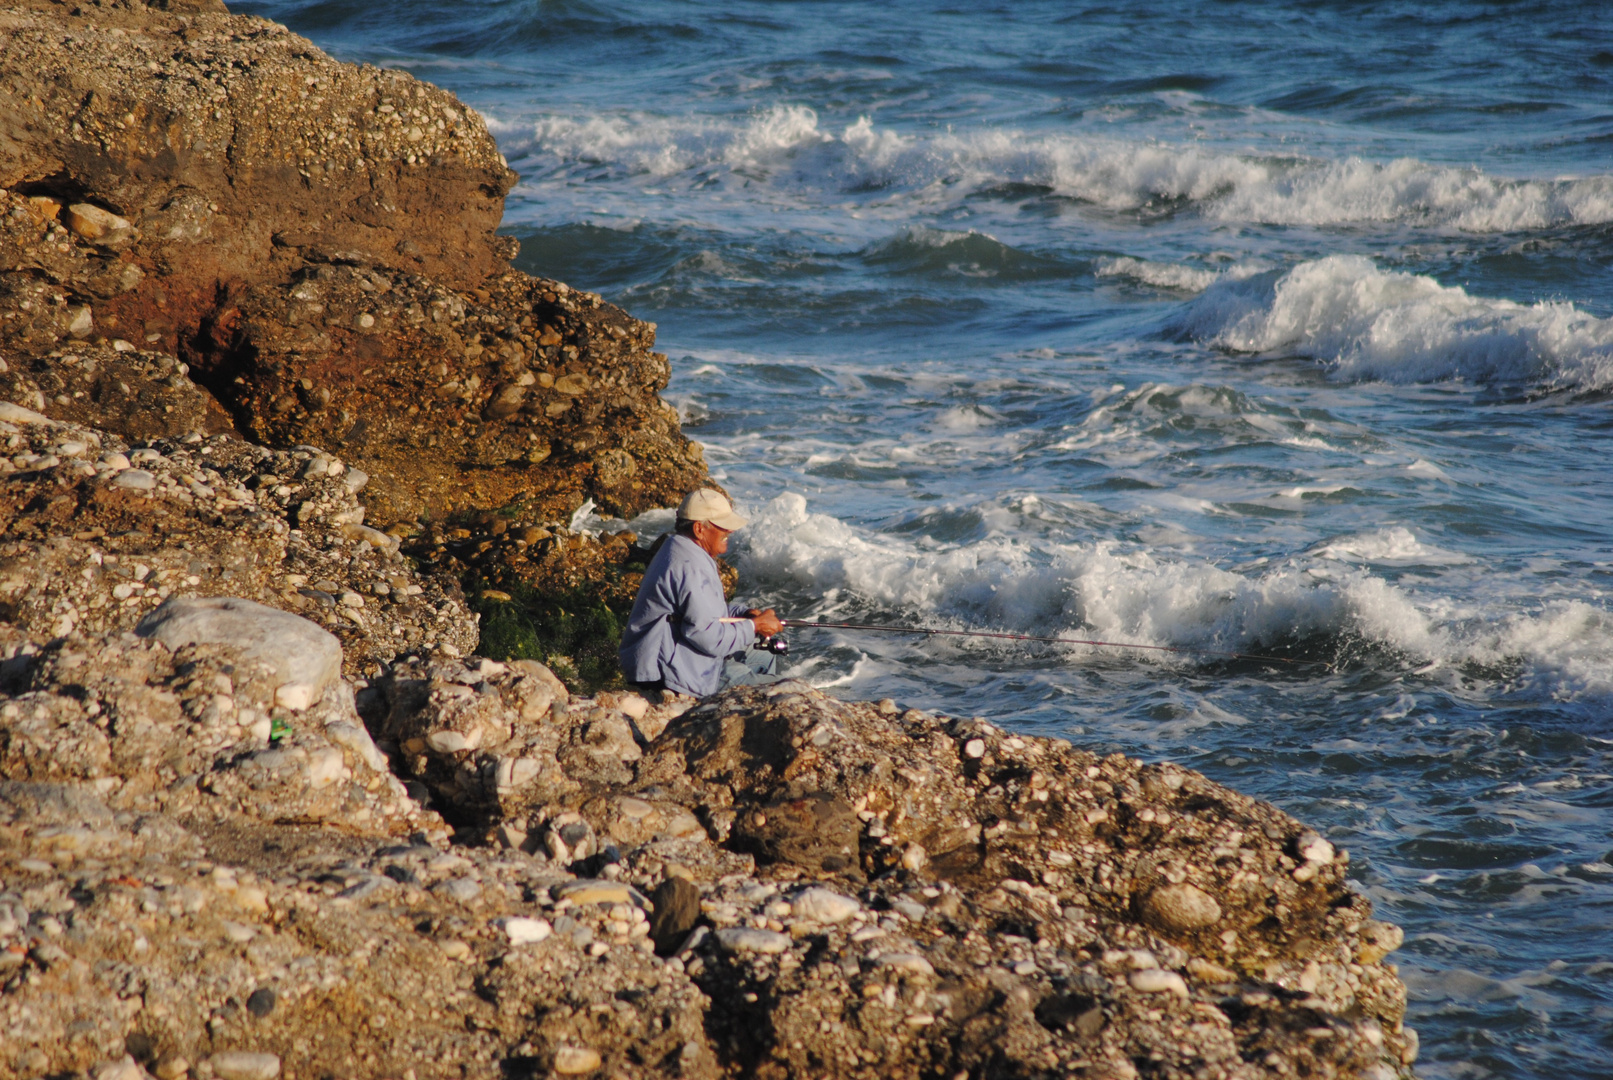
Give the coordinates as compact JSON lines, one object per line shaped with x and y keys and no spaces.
{"x":930,"y":631}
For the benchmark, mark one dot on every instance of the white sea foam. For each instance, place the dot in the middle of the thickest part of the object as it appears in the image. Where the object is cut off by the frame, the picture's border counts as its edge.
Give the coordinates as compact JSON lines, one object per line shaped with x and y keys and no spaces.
{"x":1121,"y":431}
{"x":1113,"y":592}
{"x":1178,"y":277}
{"x":1394,"y":546}
{"x":643,"y":143}
{"x":1340,"y":192}
{"x":1118,"y":175}
{"x":1160,"y":275}
{"x":1369,"y":324}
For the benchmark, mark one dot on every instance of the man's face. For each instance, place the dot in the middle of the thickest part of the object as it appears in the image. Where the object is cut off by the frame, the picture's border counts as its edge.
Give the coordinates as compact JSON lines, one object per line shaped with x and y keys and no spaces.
{"x":712,"y":540}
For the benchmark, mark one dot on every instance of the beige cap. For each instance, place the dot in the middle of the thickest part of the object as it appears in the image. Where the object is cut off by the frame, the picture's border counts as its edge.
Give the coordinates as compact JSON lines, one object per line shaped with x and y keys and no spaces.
{"x":708,"y":505}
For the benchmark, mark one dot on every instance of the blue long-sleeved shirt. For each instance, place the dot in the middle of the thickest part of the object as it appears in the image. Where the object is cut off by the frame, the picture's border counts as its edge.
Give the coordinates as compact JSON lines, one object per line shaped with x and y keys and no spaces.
{"x":675,"y":633}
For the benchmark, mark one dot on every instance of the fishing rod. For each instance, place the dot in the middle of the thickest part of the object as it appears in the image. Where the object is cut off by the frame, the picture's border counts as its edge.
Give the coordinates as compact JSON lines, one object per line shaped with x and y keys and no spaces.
{"x":931,"y":631}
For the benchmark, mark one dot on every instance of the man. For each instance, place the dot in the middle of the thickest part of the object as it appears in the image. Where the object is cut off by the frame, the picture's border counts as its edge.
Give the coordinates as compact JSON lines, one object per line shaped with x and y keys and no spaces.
{"x":680,"y":631}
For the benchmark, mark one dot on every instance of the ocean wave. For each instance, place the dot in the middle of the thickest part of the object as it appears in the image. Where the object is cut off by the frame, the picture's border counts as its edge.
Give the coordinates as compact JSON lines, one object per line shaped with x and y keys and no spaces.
{"x":921,"y":250}
{"x":1364,"y":323}
{"x":946,"y":167}
{"x":1109,"y":591}
{"x":1393,"y":546}
{"x":661,"y":146}
{"x":1127,"y":427}
{"x":1177,"y":277}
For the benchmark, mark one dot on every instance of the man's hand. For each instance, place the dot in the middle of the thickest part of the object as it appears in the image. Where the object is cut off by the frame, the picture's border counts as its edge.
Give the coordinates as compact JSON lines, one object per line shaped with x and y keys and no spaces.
{"x":767,"y":622}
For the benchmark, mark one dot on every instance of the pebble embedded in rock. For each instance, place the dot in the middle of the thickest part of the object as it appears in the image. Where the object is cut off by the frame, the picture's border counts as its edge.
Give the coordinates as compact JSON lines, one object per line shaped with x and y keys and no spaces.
{"x":1157,"y":981}
{"x":906,"y":961}
{"x":1181,"y":907}
{"x":823,"y":905}
{"x":462,"y":889}
{"x":634,"y":809}
{"x":98,"y":226}
{"x":1378,"y":939}
{"x":262,"y":1001}
{"x":576,"y":1060}
{"x":325,"y":767}
{"x":448,"y":742}
{"x":1315,"y":849}
{"x":125,"y":1068}
{"x":13,"y":413}
{"x":524,"y":931}
{"x":244,"y":1065}
{"x":677,"y":909}
{"x":137,"y":479}
{"x":350,"y":735}
{"x":593,"y":891}
{"x":741,"y":939}
{"x":910,"y":909}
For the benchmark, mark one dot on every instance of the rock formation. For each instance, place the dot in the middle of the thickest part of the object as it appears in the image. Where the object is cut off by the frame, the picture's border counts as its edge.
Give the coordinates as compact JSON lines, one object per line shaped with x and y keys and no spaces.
{"x":315,"y":241}
{"x":750,"y":887}
{"x":271,"y":397}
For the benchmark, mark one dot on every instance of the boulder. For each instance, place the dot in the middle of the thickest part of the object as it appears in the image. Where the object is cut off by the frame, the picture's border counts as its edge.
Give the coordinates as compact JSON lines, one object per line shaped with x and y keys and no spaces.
{"x":303,"y":657}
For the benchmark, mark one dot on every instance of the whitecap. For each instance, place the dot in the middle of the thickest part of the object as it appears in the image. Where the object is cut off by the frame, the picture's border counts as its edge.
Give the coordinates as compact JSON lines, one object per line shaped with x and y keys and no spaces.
{"x":1175,"y":276}
{"x":946,"y":167}
{"x":1005,"y":579}
{"x":1428,"y":469}
{"x":1393,"y":546}
{"x":1364,"y":323}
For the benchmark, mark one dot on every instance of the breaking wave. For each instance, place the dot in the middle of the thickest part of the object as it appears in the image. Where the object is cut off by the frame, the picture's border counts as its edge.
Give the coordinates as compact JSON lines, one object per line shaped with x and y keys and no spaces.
{"x":1111,"y":591}
{"x":1177,"y":277}
{"x":789,"y":145}
{"x":1364,"y":323}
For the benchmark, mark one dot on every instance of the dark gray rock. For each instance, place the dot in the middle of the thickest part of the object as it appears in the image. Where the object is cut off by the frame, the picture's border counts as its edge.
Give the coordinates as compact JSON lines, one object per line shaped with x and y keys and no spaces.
{"x":677,"y":909}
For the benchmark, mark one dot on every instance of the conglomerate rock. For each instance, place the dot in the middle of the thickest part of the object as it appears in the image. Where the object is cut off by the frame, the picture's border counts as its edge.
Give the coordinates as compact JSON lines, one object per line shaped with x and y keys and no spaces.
{"x":313,"y":243}
{"x":94,"y":534}
{"x":1102,"y":880}
{"x":751,"y":886}
{"x":228,"y":146}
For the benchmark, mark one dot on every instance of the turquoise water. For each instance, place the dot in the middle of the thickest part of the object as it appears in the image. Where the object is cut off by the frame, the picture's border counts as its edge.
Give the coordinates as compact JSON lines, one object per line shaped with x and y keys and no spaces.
{"x":1239,"y":326}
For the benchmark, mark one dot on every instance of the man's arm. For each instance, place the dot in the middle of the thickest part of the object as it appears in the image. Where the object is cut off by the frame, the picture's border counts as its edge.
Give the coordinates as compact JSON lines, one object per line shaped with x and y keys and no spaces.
{"x":701,"y":624}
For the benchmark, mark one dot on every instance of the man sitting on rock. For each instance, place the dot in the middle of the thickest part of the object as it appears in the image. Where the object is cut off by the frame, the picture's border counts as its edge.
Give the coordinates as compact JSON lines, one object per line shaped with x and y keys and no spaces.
{"x":680,"y":632}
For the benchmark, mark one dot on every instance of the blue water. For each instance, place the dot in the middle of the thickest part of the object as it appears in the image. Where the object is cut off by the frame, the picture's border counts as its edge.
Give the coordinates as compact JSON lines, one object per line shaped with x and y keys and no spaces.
{"x":1246,"y":326}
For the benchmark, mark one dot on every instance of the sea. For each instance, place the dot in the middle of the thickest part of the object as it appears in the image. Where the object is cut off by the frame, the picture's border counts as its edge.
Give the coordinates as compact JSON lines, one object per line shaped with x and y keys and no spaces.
{"x":1230,"y":326}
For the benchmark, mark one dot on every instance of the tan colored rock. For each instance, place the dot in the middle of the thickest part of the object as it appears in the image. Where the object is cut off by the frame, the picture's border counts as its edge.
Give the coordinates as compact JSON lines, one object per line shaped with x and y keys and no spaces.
{"x":245,"y":1065}
{"x":576,"y":1060}
{"x":1181,"y":908}
{"x":80,"y":321}
{"x":100,"y":227}
{"x":1378,"y":939}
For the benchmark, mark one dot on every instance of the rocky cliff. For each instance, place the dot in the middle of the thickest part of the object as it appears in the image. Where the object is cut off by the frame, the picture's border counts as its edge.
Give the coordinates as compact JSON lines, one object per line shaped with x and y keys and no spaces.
{"x":271,"y":399}
{"x":315,"y":242}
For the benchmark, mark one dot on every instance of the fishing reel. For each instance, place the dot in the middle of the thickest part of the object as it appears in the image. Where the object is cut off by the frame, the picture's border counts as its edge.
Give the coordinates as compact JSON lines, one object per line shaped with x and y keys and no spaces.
{"x":773,"y":643}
